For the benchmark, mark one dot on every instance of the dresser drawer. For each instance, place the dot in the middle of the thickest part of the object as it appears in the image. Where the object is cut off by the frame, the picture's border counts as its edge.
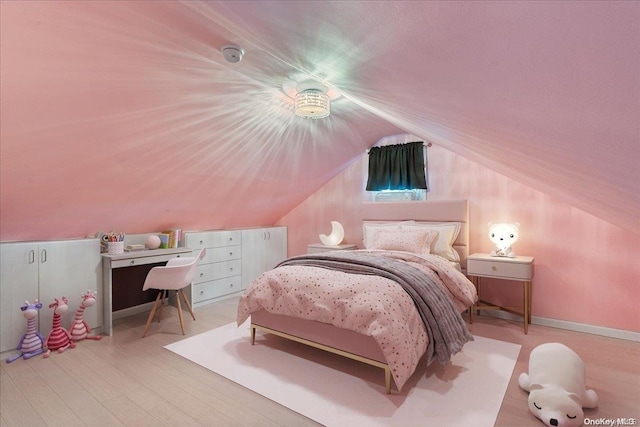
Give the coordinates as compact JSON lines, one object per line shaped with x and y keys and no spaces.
{"x":501,"y":268}
{"x":225,"y":253}
{"x":215,"y":288}
{"x":213,"y":239}
{"x":217,"y":270}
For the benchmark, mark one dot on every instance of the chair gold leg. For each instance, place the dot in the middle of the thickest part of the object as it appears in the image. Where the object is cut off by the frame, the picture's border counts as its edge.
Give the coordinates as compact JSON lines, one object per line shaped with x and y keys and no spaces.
{"x":153,"y":310}
{"x":180,"y":312}
{"x":164,"y":295}
{"x":186,"y":301}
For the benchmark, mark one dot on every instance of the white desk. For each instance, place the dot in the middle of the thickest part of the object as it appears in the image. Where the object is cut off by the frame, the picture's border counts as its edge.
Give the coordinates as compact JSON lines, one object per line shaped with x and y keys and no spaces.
{"x":129,"y":259}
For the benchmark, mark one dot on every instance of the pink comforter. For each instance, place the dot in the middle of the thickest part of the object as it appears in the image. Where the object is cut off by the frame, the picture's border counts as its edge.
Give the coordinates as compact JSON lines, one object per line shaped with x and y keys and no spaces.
{"x":370,"y":305}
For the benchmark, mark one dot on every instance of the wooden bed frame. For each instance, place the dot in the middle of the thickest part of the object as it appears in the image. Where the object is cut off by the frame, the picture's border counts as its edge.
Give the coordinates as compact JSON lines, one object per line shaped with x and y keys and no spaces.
{"x":352,"y":344}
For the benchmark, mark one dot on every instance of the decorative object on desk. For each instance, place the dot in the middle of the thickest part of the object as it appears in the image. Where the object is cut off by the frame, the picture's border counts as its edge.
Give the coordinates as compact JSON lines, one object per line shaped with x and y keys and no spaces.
{"x":556,"y":385}
{"x":80,"y":329}
{"x":115,"y":242}
{"x":164,"y":240}
{"x":175,"y":238}
{"x":130,"y":248}
{"x":504,"y":235}
{"x":336,"y":236}
{"x":32,"y":343}
{"x":59,"y":338}
{"x":115,"y":248}
{"x":152,"y":242}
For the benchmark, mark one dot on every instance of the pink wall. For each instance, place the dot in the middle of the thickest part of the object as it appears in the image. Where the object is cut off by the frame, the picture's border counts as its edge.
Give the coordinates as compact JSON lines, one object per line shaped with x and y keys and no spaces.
{"x":586,"y":269}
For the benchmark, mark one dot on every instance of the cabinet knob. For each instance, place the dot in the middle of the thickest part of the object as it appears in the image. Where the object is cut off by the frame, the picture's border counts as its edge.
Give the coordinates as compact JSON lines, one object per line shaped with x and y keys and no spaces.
{"x":201,"y":274}
{"x":201,"y":292}
{"x":231,"y":239}
{"x":230,"y":268}
{"x":201,"y":242}
{"x":494,"y":268}
{"x":132,"y":262}
{"x":230,"y":253}
{"x":231,"y":285}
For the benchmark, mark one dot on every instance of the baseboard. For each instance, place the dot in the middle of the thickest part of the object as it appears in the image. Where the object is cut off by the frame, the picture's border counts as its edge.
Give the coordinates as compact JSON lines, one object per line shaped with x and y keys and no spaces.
{"x":126,"y":312}
{"x":570,"y":326}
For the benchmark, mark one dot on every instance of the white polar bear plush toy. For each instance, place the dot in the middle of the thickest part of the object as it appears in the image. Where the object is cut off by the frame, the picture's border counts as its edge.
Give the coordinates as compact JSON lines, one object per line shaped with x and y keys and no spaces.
{"x":556,"y":386}
{"x":503,"y":235}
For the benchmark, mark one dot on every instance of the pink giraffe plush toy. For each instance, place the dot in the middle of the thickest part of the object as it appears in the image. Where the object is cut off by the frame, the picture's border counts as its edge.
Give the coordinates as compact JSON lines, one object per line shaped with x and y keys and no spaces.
{"x":32,"y":343}
{"x":59,"y":338}
{"x":80,"y":329}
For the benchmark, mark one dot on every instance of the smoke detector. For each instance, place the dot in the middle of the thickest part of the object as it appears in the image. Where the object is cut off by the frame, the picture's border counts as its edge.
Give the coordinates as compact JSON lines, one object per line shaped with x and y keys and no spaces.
{"x":232,"y":53}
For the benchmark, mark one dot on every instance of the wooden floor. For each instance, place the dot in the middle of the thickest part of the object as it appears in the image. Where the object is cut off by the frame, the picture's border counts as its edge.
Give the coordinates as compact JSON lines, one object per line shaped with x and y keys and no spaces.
{"x":128,"y":380}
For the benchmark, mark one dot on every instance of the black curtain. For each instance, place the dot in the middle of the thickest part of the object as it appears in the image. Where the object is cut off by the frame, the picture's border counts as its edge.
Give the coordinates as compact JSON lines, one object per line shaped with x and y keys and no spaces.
{"x":397,"y":167}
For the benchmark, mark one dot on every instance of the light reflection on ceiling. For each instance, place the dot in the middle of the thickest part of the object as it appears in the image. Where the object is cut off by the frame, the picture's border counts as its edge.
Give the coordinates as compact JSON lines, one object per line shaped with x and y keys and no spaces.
{"x":142,"y":90}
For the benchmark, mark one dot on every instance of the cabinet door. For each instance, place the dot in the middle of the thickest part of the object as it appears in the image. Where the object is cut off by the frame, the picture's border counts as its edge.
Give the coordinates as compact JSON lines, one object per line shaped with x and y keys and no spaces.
{"x":70,"y":268}
{"x":18,"y":283}
{"x":253,"y":254}
{"x":276,"y":246}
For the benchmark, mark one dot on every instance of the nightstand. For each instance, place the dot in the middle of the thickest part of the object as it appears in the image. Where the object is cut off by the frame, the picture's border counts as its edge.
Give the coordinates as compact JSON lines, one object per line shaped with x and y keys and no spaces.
{"x":319,"y":247}
{"x":519,"y":269}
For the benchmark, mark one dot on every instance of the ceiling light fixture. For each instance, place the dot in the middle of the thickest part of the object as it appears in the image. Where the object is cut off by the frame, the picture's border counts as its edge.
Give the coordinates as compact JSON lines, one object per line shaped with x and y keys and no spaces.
{"x":312,"y":104}
{"x":311,"y":99}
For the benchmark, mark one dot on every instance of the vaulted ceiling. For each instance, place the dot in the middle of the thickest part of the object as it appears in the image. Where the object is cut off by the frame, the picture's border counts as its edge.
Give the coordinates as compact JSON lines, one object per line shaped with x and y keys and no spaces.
{"x":136,"y":99}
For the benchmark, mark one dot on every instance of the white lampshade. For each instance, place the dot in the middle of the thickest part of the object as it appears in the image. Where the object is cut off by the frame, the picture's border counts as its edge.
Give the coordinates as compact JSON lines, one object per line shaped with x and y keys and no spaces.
{"x":312,"y":104}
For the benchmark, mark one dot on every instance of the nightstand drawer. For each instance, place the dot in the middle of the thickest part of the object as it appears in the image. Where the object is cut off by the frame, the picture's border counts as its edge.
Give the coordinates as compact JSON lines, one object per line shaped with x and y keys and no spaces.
{"x":502,"y":268}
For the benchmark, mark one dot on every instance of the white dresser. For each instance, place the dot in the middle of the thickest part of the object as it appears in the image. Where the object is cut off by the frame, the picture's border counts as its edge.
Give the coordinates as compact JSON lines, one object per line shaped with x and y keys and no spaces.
{"x":220,"y":271}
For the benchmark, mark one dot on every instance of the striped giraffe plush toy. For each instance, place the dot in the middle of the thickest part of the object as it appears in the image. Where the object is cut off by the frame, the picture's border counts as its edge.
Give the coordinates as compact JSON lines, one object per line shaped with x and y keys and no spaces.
{"x":80,"y":329}
{"x":59,"y":338}
{"x":32,"y":343}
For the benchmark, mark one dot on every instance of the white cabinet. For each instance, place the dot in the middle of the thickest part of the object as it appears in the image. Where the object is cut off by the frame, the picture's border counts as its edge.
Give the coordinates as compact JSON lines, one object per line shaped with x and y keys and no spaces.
{"x":262,"y":249}
{"x":219,"y":272}
{"x":45,"y":271}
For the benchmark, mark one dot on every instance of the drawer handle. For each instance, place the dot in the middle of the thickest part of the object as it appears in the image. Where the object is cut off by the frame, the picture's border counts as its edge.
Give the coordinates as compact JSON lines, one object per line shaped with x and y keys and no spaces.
{"x":494,"y":268}
{"x":201,"y":242}
{"x":231,"y":269}
{"x":132,"y":262}
{"x":231,"y":285}
{"x":201,"y":274}
{"x":201,"y":292}
{"x":230,"y":253}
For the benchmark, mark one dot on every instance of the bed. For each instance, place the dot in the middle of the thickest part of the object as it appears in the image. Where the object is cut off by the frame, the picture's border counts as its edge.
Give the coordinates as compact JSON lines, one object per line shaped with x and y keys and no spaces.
{"x":389,"y":305}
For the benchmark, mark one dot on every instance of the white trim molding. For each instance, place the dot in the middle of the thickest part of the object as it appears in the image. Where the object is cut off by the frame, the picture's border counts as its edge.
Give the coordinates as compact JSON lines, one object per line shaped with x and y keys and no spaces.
{"x":571,"y":326}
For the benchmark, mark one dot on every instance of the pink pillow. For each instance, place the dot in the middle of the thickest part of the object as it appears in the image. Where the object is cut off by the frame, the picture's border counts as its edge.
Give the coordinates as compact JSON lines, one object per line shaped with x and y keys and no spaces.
{"x":417,"y":240}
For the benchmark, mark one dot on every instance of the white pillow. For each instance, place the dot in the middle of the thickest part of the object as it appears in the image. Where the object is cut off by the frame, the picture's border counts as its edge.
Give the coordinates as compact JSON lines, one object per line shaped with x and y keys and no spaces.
{"x":369,"y":228}
{"x":443,"y":244}
{"x":417,"y":241}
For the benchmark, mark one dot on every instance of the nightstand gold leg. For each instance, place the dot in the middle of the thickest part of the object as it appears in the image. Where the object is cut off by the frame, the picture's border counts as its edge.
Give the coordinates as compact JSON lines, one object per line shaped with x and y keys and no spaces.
{"x":525,"y":314}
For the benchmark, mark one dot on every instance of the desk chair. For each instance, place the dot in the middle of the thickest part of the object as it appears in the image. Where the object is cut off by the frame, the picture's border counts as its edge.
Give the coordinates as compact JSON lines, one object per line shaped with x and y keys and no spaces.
{"x":176,"y":275}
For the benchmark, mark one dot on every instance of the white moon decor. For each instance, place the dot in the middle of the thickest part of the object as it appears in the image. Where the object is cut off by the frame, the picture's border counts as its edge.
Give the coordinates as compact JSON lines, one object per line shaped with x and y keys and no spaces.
{"x":336,"y":236}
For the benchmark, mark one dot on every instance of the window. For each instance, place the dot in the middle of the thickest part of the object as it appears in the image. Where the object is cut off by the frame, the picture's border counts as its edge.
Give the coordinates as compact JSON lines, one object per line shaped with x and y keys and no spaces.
{"x":398,"y":172}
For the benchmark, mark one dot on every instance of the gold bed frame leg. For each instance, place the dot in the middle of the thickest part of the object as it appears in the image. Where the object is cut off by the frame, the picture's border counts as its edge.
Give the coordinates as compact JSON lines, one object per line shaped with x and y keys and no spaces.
{"x":387,"y":379}
{"x":253,"y":335}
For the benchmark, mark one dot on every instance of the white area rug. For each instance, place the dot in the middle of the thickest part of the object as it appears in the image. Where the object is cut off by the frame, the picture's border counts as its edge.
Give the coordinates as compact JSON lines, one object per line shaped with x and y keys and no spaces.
{"x":335,"y":391}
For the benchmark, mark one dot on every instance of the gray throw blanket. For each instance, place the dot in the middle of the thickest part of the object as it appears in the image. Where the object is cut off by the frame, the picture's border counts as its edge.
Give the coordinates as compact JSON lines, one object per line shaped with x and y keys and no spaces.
{"x":446,"y":329}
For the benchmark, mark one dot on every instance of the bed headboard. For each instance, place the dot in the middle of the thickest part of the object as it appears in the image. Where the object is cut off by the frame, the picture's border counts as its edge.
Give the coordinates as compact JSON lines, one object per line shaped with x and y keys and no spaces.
{"x":425,"y":211}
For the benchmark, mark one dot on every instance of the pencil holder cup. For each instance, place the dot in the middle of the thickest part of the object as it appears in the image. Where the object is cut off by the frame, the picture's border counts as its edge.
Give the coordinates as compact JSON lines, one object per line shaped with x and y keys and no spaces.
{"x":115,"y":248}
